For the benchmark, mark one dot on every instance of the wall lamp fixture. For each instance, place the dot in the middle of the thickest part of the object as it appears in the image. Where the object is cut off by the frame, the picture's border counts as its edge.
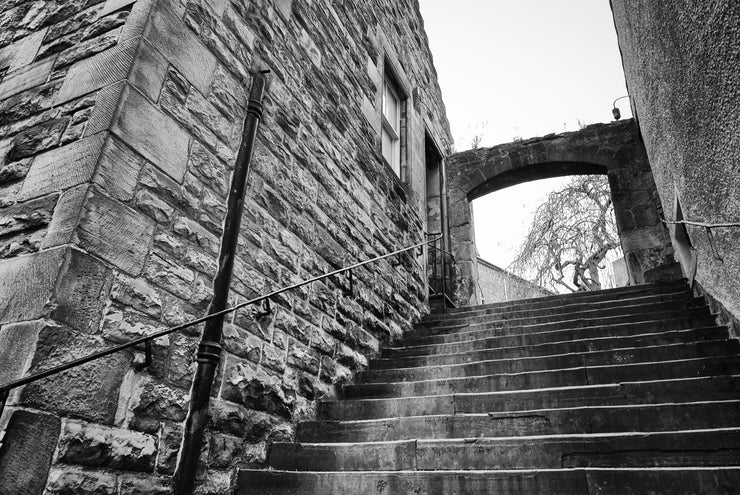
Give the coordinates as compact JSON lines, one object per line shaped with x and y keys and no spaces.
{"x":615,"y":111}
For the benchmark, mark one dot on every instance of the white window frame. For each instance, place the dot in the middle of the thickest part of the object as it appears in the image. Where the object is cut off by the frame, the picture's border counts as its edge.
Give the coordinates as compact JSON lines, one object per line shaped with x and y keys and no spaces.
{"x":388,"y":127}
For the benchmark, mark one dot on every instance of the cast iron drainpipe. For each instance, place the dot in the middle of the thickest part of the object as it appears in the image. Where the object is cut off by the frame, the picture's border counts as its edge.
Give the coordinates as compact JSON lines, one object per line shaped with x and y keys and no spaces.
{"x":209,"y":349}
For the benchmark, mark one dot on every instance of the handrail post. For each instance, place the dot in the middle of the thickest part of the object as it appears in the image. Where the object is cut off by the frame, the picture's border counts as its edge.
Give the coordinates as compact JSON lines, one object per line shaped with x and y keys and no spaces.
{"x":209,"y":349}
{"x":4,"y":393}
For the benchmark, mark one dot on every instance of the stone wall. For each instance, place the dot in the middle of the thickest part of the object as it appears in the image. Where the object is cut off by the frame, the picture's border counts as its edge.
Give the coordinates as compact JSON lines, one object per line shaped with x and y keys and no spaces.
{"x":681,"y":64}
{"x":497,"y":285}
{"x":613,"y":149}
{"x":119,"y":123}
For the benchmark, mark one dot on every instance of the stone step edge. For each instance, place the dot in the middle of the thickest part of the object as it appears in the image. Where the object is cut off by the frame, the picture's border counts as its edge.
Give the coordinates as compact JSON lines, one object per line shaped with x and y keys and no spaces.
{"x":637,"y":302}
{"x":584,"y":354}
{"x":420,"y":341}
{"x":691,"y":312}
{"x":534,"y":391}
{"x":585,"y":368}
{"x":530,"y":438}
{"x":580,"y":295}
{"x":529,"y":412}
{"x":558,"y":342}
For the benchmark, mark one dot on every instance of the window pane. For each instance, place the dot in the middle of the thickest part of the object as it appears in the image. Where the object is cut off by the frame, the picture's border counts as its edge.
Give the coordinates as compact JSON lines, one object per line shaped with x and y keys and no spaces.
{"x":392,"y":151}
{"x":391,"y":106}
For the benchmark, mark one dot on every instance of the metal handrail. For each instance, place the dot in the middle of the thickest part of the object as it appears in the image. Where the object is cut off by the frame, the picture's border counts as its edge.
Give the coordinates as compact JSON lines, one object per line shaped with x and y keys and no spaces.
{"x":7,"y":387}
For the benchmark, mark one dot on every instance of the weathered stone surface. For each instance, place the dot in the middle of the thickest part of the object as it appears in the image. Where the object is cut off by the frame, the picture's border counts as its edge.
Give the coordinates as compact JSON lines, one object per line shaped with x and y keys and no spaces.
{"x":139,"y":124}
{"x":159,"y":401}
{"x":29,"y":215}
{"x":66,"y":480}
{"x":80,"y":292}
{"x":144,"y":485}
{"x":36,"y":139}
{"x":251,"y":386}
{"x":137,"y":294}
{"x":28,"y":282}
{"x":26,"y":453}
{"x":118,"y":169}
{"x":114,"y":232}
{"x":25,"y":78}
{"x":113,"y":448}
{"x":89,"y":391}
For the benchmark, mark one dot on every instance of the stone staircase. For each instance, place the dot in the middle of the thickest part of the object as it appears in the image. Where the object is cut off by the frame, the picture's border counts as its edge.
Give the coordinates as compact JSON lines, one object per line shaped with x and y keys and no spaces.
{"x":624,"y":391}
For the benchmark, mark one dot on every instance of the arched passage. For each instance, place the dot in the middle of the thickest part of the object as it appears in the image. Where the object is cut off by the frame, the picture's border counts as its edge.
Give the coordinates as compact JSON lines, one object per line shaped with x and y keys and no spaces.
{"x":613,"y":149}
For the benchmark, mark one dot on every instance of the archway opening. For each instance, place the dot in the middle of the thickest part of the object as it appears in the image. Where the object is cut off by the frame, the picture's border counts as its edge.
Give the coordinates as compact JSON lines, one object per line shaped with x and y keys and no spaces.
{"x":546,"y":232}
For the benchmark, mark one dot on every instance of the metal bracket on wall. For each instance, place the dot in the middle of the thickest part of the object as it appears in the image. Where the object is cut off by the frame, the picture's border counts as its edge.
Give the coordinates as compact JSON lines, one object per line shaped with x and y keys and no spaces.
{"x":348,"y":291}
{"x":147,"y":357}
{"x":265,"y":310}
{"x":712,"y":245}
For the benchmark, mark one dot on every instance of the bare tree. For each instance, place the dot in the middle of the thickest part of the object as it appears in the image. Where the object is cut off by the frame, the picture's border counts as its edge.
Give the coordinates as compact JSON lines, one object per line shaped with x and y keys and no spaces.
{"x":570,"y":236}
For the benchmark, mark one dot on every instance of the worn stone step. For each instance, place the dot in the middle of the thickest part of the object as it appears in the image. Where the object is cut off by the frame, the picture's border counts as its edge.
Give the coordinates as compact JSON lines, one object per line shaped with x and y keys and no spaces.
{"x":578,"y":481}
{"x":548,"y":316}
{"x":693,"y":317}
{"x":396,"y":358}
{"x":509,"y":338}
{"x":718,"y":447}
{"x":667,"y":352}
{"x":582,"y":375}
{"x":525,"y":309}
{"x":656,"y":391}
{"x":616,"y":294}
{"x":589,"y":419}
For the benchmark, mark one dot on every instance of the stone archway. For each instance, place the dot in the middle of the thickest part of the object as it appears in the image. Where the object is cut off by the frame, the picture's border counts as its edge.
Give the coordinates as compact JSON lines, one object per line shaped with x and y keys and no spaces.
{"x":613,"y":149}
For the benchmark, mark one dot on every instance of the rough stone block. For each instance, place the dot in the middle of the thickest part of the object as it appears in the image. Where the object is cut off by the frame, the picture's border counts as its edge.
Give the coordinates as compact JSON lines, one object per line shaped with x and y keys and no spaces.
{"x":30,"y":215}
{"x":17,"y":346}
{"x":152,"y":133}
{"x":137,"y":294}
{"x":180,"y":46}
{"x":251,"y":386}
{"x":101,"y":70}
{"x":81,"y":291}
{"x":89,"y":391}
{"x":115,"y":232}
{"x":118,"y":169}
{"x":144,"y":485}
{"x":36,"y":139}
{"x":26,"y":452}
{"x":66,"y":480}
{"x":22,"y":52}
{"x":96,"y":446}
{"x":25,"y":78}
{"x":28,"y":285}
{"x":63,"y":167}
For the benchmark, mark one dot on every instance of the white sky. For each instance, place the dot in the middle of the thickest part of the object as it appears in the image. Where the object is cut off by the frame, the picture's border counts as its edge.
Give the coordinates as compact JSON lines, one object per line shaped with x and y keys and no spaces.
{"x":521,"y":68}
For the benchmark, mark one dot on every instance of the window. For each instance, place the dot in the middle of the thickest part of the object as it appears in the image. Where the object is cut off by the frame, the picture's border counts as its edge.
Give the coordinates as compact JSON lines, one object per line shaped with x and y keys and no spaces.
{"x":391,"y":128}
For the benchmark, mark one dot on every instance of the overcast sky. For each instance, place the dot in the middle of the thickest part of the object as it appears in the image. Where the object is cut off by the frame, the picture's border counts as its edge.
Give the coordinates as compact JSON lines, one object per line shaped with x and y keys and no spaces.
{"x":519,"y":69}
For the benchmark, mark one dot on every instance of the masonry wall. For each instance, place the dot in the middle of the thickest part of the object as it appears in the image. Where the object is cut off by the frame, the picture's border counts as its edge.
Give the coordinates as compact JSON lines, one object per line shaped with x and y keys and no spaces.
{"x":498,"y":285}
{"x":119,"y":124}
{"x":681,"y":64}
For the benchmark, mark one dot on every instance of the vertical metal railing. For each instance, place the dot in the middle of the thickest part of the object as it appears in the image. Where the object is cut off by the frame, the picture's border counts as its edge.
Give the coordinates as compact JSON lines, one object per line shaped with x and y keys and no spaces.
{"x":441,"y":267}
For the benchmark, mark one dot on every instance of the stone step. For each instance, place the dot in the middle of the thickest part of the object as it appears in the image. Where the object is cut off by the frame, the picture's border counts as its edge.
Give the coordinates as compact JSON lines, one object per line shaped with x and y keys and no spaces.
{"x":620,"y":293}
{"x":678,"y":296}
{"x":618,"y":308}
{"x":716,"y":447}
{"x":694,"y":317}
{"x":582,"y":375}
{"x":517,"y":364}
{"x":645,"y":392}
{"x":604,"y":419}
{"x":664,"y":481}
{"x":546,"y":349}
{"x":511,"y":338}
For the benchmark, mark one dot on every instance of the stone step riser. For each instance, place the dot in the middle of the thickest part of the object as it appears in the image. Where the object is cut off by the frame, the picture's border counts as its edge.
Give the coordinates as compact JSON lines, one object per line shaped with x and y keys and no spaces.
{"x":557,"y":310}
{"x":543,"y":422}
{"x":522,"y":365}
{"x":700,"y":316}
{"x":567,"y":347}
{"x":549,"y":379}
{"x":525,"y":318}
{"x":557,"y":482}
{"x":619,"y":294}
{"x":668,"y":449}
{"x":522,"y":337}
